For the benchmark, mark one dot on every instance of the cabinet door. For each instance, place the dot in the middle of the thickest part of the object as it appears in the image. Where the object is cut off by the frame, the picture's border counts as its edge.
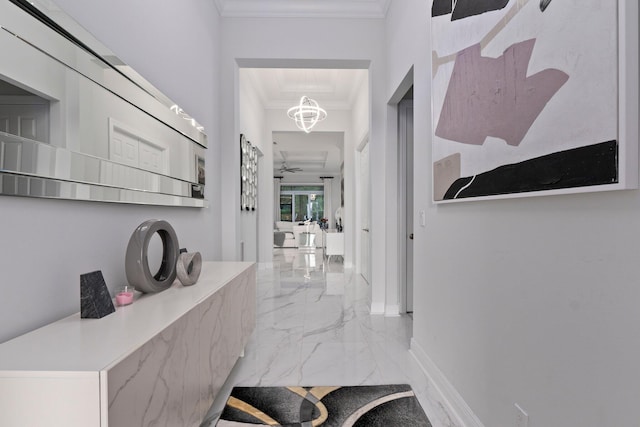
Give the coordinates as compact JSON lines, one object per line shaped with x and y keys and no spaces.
{"x":33,"y":399}
{"x":158,"y":384}
{"x":335,"y":244}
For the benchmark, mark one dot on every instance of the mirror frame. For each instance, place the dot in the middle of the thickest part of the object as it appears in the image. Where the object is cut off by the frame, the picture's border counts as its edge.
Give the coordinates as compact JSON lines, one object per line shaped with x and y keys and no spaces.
{"x":40,"y":24}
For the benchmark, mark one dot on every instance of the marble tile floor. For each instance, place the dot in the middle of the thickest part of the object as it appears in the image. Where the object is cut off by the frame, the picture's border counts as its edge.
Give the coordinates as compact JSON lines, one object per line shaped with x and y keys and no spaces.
{"x":314,"y":328}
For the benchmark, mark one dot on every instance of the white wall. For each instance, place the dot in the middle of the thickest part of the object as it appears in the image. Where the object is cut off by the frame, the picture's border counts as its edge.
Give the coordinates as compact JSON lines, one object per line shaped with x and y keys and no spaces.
{"x":361,"y":110}
{"x":360,"y":117}
{"x":253,"y":127}
{"x":47,"y":244}
{"x":531,"y":300}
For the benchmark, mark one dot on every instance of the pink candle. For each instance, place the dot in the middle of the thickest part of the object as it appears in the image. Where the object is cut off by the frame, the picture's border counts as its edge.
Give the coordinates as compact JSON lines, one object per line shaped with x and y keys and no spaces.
{"x":124,"y":298}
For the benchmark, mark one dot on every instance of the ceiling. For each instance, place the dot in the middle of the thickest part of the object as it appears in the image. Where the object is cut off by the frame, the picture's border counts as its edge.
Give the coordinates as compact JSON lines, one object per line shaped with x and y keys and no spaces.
{"x":281,"y":88}
{"x":304,"y":8}
{"x":318,"y":153}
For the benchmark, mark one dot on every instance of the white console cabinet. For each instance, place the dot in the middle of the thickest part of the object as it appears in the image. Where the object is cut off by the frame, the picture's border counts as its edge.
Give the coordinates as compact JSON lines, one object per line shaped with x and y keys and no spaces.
{"x":157,"y":362}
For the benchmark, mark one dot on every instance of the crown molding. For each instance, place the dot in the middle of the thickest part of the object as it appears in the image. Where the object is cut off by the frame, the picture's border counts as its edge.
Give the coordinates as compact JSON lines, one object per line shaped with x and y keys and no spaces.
{"x":369,"y":9}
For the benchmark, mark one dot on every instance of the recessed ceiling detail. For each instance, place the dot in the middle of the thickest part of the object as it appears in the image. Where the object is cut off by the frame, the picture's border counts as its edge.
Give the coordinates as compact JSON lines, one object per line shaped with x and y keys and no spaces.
{"x":280,"y":88}
{"x":308,"y":157}
{"x":320,"y":152}
{"x":303,"y":9}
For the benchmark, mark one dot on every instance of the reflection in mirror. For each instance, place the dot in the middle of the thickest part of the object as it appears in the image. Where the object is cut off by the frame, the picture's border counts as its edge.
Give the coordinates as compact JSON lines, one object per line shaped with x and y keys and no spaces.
{"x":23,"y":113}
{"x":24,"y":156}
{"x":155,"y":254}
{"x":69,"y":116}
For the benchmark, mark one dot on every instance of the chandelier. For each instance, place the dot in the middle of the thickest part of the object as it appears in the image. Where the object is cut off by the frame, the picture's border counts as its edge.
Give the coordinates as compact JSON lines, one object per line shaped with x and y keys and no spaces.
{"x":306,"y":114}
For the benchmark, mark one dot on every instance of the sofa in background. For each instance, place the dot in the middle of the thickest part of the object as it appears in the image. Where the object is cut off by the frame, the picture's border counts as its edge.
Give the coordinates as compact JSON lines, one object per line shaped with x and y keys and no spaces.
{"x":285,"y":234}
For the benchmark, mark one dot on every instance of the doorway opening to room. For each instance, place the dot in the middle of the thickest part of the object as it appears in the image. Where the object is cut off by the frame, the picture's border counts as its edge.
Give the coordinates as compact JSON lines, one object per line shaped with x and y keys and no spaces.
{"x":401,"y":104}
{"x":323,"y":158}
{"x":308,"y":170}
{"x":364,"y":211}
{"x":405,"y":181}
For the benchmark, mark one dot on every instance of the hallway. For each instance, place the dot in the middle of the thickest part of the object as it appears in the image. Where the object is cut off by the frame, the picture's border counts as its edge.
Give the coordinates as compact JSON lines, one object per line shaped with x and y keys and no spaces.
{"x":314,"y":329}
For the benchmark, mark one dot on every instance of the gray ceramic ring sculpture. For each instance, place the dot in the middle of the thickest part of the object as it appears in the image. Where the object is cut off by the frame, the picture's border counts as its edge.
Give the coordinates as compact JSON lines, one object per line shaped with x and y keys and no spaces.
{"x":137,"y":264}
{"x":188,"y":268}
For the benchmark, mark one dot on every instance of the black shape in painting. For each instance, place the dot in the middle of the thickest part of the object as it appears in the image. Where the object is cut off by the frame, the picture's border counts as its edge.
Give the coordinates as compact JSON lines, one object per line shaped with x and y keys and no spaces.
{"x":441,"y":7}
{"x":595,"y":164}
{"x":544,"y":4}
{"x":466,"y":8}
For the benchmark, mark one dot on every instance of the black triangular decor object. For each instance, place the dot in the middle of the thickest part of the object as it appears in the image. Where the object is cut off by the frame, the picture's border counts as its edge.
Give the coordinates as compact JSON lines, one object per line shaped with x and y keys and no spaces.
{"x":95,"y":301}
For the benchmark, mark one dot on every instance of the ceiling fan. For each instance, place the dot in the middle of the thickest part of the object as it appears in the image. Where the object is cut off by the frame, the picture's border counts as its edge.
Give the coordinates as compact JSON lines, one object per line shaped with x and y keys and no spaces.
{"x":285,"y":168}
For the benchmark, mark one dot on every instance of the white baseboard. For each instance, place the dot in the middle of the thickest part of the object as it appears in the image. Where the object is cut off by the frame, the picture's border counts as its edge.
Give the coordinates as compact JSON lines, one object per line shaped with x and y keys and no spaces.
{"x":377,"y":308}
{"x":451,"y":400}
{"x":392,"y":310}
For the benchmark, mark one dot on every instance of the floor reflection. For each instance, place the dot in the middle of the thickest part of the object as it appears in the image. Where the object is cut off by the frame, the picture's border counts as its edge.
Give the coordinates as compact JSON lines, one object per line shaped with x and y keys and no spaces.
{"x":314,"y":329}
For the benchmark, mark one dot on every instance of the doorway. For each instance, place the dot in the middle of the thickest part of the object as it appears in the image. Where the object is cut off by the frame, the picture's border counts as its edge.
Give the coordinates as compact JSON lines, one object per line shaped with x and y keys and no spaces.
{"x":365,"y":208}
{"x":405,"y":192}
{"x":325,"y":156}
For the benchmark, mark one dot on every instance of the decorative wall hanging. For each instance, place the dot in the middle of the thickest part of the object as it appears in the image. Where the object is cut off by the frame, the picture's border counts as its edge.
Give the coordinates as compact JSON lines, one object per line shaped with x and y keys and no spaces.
{"x":248,"y":175}
{"x":188,"y":268}
{"x":137,"y":263}
{"x":95,"y":301}
{"x":531,"y":97}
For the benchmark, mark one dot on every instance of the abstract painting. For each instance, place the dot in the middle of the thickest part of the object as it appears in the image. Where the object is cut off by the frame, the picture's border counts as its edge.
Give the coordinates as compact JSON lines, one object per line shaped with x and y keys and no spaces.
{"x":526,"y":99}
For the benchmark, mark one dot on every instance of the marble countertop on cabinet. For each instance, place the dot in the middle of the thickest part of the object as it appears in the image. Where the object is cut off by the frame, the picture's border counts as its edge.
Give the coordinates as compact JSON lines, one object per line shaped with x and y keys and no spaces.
{"x":81,"y":345}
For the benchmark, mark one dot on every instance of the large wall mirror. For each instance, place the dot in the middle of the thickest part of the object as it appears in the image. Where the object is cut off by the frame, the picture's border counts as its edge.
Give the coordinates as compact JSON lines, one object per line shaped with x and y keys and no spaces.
{"x":77,"y":123}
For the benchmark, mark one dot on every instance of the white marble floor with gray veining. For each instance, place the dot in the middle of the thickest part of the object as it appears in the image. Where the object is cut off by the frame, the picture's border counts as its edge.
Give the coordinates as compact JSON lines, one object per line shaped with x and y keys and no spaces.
{"x":314,"y":328}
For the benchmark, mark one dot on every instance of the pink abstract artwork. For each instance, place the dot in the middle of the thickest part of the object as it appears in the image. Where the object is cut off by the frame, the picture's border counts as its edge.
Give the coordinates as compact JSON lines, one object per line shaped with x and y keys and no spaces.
{"x":494,"y":96}
{"x":527,"y":97}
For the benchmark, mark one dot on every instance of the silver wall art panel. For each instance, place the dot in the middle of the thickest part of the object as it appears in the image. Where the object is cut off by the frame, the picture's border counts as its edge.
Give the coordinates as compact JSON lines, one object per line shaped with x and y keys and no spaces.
{"x":248,"y":175}
{"x":71,"y":111}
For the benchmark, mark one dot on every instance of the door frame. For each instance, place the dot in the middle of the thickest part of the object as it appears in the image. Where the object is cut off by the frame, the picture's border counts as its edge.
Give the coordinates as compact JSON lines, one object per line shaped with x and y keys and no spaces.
{"x":359,"y":208}
{"x":404,"y":106}
{"x":398,"y":244}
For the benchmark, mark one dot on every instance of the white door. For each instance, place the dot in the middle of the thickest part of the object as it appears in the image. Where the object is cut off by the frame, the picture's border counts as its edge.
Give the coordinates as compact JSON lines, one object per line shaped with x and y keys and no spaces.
{"x":128,"y":147}
{"x":365,"y":207}
{"x":405,"y":142}
{"x":28,"y":121}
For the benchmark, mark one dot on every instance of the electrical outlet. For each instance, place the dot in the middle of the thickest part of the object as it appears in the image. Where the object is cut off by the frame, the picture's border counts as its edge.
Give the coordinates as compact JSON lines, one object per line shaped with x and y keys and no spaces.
{"x":522,"y":418}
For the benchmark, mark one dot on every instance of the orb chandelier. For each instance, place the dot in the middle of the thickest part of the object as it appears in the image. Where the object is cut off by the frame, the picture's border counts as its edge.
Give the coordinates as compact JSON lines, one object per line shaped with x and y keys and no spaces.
{"x":306,"y":114}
